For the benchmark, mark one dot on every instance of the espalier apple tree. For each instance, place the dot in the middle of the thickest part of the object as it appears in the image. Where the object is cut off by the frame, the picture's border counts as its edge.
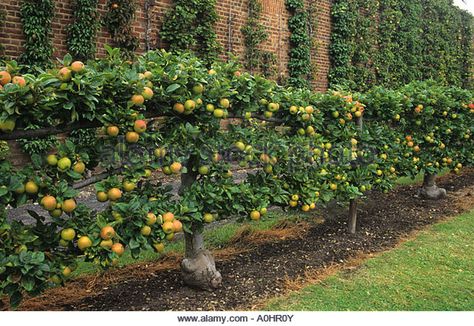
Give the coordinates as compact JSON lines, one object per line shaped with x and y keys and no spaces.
{"x":236,"y":144}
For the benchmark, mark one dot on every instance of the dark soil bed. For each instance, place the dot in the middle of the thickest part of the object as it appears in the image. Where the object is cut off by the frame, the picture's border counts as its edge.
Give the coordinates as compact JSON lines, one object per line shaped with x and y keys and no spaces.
{"x":259,"y":273}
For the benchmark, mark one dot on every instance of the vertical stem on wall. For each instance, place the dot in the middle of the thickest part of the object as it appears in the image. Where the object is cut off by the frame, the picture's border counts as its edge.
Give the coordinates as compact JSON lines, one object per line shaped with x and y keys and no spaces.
{"x":299,"y":65}
{"x":118,"y":20}
{"x":148,"y":6}
{"x":82,"y":32}
{"x":36,"y":19}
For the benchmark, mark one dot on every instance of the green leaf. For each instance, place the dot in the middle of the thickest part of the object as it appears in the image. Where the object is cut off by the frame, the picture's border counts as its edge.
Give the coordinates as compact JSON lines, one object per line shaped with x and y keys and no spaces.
{"x":15,"y":299}
{"x":173,"y":87}
{"x":133,"y":244}
{"x":28,"y":283}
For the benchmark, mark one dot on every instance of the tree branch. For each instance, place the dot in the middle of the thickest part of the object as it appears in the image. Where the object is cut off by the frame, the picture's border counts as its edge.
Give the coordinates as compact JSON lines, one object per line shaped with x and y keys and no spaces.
{"x":47,"y":131}
{"x":258,"y":117}
{"x":96,"y":178}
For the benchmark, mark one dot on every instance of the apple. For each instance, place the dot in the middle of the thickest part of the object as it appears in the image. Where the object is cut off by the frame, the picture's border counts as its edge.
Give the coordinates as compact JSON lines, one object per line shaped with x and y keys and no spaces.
{"x":79,"y":167}
{"x":255,"y":215}
{"x":139,"y":126}
{"x":268,"y":169}
{"x":132,"y":137}
{"x":52,"y":160}
{"x":189,"y":105}
{"x":160,"y":152}
{"x":84,"y":242}
{"x":64,"y":164}
{"x":175,"y":167}
{"x":68,"y":234}
{"x":210,"y":108}
{"x":216,"y":157}
{"x":129,"y":186}
{"x":224,"y":103}
{"x":159,"y":247}
{"x":148,"y":74}
{"x":240,"y":145}
{"x":64,"y":74}
{"x":118,"y":249}
{"x":268,"y":114}
{"x":145,"y":230}
{"x":8,"y":125}
{"x":273,"y":107}
{"x":219,"y":113}
{"x":77,"y":66}
{"x":198,"y":89}
{"x":151,"y":219}
{"x":167,"y":227}
{"x":147,"y":93}
{"x":203,"y":170}
{"x":106,"y":244}
{"x":178,"y":107}
{"x":101,"y":196}
{"x":107,"y":232}
{"x":208,"y":218}
{"x":112,"y":131}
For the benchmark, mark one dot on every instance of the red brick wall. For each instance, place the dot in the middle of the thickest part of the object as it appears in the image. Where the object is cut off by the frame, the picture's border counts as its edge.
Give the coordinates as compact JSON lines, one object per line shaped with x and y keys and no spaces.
{"x":233,"y":15}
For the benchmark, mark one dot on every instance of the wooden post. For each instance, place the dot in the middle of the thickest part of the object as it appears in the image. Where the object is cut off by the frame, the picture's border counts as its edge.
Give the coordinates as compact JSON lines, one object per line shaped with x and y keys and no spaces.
{"x":352,"y":216}
{"x":352,"y":223}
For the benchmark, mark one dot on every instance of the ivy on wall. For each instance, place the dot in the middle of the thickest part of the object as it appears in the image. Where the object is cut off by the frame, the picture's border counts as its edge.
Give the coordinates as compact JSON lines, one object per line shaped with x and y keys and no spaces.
{"x":255,"y":34}
{"x":342,"y":43}
{"x":36,"y":17}
{"x":394,"y":42}
{"x":82,"y":32}
{"x":118,"y":21}
{"x":299,"y":64}
{"x":189,"y":25}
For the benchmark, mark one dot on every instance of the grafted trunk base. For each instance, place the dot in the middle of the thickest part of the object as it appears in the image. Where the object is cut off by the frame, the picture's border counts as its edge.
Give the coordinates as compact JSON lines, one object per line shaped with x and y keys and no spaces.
{"x":430,"y":190}
{"x":198,"y":267}
{"x":200,"y":271}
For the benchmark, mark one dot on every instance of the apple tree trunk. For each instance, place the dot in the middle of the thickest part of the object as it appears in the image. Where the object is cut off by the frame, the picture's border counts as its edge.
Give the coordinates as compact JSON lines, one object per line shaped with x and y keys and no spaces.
{"x":430,"y":190}
{"x":198,"y":268}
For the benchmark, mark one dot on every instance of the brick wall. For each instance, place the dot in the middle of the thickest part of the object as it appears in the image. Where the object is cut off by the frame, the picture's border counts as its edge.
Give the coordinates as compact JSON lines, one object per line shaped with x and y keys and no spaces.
{"x":233,"y":15}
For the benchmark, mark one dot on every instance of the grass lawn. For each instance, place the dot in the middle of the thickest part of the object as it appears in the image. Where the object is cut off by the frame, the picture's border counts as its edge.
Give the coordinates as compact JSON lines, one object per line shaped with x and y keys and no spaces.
{"x":433,"y":272}
{"x":406,"y":181}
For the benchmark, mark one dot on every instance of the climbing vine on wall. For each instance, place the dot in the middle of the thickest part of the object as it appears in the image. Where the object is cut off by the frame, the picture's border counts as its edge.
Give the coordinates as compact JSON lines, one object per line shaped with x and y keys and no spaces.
{"x":82,"y":32}
{"x":118,"y":21}
{"x":189,"y":25}
{"x":342,"y":44}
{"x":36,"y":17}
{"x":255,"y":34}
{"x":393,"y":42}
{"x":299,"y":65}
